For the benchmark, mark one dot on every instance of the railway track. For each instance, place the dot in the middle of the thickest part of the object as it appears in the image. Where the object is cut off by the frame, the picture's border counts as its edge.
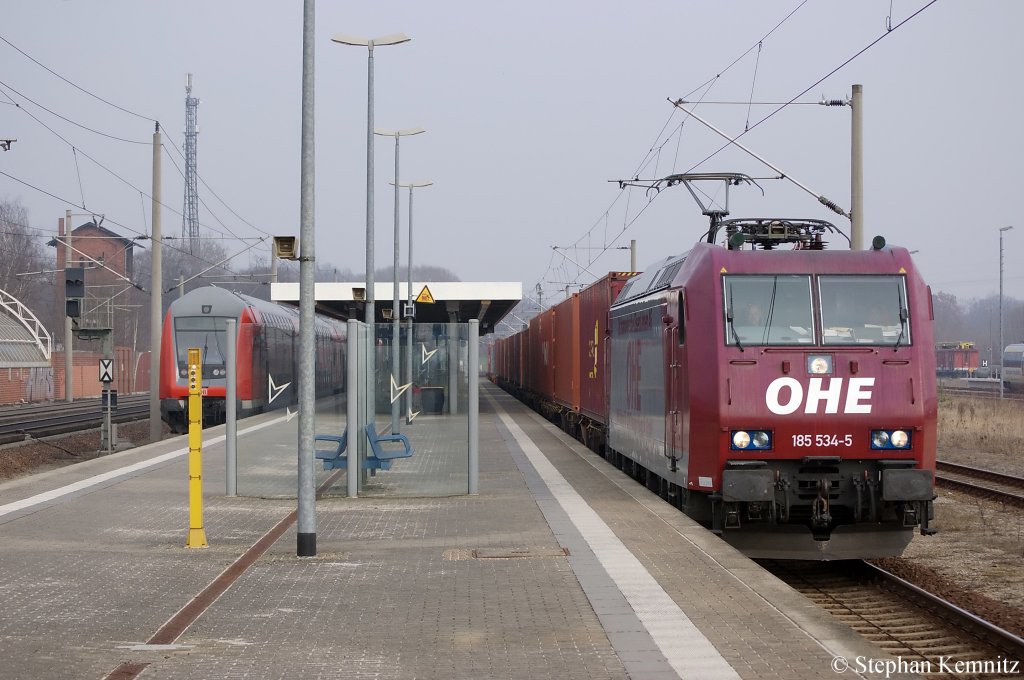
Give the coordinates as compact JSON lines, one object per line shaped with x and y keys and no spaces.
{"x":933,"y":637}
{"x":980,"y":482}
{"x":43,"y":420}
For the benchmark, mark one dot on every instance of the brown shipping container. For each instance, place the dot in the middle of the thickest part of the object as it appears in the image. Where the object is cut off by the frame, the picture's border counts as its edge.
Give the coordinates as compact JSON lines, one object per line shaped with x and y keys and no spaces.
{"x":566,"y":340}
{"x":594,"y":303}
{"x":541,"y":354}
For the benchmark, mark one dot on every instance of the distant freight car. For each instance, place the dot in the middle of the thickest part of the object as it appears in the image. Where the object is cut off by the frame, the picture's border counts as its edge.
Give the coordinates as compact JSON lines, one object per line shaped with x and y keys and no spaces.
{"x":956,"y":359}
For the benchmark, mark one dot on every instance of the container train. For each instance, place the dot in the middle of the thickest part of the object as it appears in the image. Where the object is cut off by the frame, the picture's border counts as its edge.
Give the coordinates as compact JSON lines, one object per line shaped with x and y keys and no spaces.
{"x":785,"y":398}
{"x":266,"y":354}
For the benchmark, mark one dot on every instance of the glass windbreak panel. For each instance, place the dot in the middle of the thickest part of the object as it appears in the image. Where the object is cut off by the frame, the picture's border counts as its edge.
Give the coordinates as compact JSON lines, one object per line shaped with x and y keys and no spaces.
{"x":864,"y":310}
{"x":205,"y":332}
{"x":768,"y":310}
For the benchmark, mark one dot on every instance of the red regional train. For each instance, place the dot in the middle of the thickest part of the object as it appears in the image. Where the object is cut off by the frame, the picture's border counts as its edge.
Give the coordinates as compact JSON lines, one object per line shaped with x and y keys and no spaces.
{"x":266,"y":354}
{"x":785,"y":398}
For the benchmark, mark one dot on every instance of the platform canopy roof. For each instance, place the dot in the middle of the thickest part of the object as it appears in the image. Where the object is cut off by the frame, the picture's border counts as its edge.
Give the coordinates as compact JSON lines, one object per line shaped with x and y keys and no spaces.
{"x":453,"y":301}
{"x":24,"y":342}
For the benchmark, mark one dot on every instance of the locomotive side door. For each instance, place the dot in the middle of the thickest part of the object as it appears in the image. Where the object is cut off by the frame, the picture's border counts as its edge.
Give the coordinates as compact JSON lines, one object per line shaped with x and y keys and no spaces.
{"x":674,"y":336}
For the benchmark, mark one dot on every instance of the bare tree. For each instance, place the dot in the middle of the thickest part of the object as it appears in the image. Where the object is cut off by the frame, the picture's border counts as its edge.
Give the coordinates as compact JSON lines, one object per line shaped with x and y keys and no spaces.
{"x":23,"y":250}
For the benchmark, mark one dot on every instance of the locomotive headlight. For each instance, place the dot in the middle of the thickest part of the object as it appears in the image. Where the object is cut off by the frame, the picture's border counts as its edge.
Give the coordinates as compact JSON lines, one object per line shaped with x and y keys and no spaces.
{"x":754,"y":440}
{"x":819,"y":364}
{"x":890,"y":439}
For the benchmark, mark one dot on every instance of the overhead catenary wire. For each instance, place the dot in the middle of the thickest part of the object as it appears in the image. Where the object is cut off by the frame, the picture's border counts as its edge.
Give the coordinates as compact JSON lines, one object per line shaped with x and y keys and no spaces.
{"x":141,"y":235}
{"x":128,"y":111}
{"x":791,"y":101}
{"x":706,"y":86}
{"x":72,"y":84}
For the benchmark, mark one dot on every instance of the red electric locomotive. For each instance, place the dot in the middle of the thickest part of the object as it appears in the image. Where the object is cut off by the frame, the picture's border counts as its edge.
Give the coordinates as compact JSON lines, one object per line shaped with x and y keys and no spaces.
{"x":266,"y":354}
{"x":784,"y":398}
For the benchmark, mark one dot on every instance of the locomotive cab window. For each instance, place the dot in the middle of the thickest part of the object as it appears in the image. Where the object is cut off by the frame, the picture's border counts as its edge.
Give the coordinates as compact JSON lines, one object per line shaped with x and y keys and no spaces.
{"x":864,"y":310}
{"x":768,"y":310}
{"x":209,"y":333}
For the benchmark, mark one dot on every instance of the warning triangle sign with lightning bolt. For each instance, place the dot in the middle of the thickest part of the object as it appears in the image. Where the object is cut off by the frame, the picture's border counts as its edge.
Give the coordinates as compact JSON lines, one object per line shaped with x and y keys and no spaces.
{"x":425,"y":296}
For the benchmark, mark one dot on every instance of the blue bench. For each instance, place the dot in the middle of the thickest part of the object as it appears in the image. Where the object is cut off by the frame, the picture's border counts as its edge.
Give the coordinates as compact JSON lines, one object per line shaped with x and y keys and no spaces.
{"x":334,"y":457}
{"x":377,"y":458}
{"x":381,"y":459}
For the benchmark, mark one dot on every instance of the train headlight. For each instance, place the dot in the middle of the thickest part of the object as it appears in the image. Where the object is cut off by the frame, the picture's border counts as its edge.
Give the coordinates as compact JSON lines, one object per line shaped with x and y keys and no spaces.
{"x":899,"y":439}
{"x":751,"y":440}
{"x":819,"y":364}
{"x":890,"y":439}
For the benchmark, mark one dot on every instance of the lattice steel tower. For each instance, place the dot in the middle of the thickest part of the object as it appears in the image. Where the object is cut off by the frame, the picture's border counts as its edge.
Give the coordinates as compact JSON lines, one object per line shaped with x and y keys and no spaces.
{"x":190,"y":215}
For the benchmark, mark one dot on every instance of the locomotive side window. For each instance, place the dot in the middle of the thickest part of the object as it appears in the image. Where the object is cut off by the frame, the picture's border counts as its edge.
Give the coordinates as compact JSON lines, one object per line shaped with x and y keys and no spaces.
{"x":864,"y":310}
{"x":768,"y":310}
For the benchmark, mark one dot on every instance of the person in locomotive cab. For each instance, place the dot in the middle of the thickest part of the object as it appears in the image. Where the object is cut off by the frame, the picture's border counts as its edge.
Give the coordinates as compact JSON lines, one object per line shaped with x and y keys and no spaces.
{"x":753,"y":315}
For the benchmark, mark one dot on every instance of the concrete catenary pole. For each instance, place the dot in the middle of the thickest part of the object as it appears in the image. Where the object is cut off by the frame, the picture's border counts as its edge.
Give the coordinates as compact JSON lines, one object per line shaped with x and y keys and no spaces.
{"x":306,"y":524}
{"x":1002,"y":347}
{"x":69,"y":335}
{"x":857,"y":168}
{"x":155,"y":300}
{"x":632,"y":255}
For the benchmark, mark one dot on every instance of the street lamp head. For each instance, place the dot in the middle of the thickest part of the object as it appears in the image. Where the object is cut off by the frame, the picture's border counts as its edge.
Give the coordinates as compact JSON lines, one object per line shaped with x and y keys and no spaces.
{"x":413,"y":185}
{"x":393,"y":39}
{"x":397,"y":133}
{"x":1006,"y":228}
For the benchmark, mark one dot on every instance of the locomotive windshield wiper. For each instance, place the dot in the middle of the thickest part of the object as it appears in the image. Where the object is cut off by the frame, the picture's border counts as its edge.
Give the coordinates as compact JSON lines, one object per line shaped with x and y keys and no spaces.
{"x":903,"y":318}
{"x":732,"y":327}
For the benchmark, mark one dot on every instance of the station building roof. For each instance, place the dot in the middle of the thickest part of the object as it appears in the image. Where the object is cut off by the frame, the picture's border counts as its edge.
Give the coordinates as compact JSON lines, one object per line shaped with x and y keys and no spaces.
{"x":24,"y":342}
{"x":453,"y":301}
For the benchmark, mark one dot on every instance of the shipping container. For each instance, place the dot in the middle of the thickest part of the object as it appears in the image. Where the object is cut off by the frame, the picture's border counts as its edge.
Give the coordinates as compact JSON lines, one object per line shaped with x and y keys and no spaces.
{"x":594,"y":303}
{"x":566,"y":341}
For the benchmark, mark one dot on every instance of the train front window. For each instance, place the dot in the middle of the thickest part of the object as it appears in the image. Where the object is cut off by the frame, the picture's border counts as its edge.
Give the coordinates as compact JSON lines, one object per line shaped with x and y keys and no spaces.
{"x":864,"y":310}
{"x":768,"y":310}
{"x":208,"y":333}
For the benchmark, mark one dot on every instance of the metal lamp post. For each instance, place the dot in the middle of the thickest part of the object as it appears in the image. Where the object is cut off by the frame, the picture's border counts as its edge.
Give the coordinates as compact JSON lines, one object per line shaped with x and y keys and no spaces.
{"x":395,"y":350}
{"x":370,"y":43}
{"x":408,"y":356}
{"x":370,"y":315}
{"x":1001,"y":345}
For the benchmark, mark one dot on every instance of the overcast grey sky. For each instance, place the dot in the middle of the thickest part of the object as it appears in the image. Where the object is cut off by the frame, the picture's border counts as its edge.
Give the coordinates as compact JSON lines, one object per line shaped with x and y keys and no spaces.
{"x":530,"y":108}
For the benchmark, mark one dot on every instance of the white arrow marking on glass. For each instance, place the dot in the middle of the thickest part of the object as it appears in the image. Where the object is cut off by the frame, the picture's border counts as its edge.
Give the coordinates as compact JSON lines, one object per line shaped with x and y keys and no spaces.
{"x":289,"y":415}
{"x":401,"y":390}
{"x":274,"y":390}
{"x":426,"y":354}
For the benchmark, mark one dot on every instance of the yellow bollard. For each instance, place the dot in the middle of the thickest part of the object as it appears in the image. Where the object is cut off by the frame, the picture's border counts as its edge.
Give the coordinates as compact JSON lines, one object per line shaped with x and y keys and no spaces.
{"x":196,"y":533}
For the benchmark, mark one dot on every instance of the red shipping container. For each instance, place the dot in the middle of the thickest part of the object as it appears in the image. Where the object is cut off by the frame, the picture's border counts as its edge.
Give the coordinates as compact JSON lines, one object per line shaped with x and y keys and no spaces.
{"x":566,"y":340}
{"x":541,"y":354}
{"x":594,"y":303}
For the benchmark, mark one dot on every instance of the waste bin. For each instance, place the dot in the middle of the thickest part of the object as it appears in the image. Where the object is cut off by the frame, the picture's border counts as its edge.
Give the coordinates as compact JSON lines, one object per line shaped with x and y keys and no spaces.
{"x":432,"y":399}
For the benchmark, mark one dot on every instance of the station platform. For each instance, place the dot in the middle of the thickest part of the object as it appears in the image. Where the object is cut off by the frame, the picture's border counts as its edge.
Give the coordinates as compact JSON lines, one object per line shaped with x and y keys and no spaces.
{"x":561,"y":567}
